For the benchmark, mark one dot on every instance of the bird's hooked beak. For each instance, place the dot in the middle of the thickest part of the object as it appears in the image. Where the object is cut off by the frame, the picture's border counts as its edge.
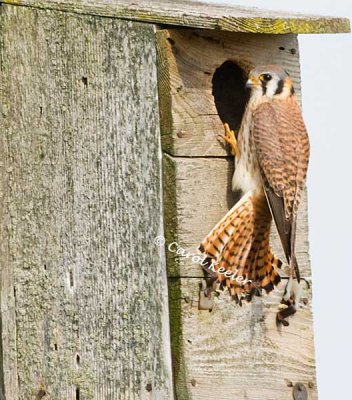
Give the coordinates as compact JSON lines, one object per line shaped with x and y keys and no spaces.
{"x":252,"y":81}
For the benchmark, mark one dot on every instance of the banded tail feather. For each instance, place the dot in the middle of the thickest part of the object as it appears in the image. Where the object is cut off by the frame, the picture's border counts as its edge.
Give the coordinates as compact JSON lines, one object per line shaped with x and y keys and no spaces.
{"x":238,"y":246}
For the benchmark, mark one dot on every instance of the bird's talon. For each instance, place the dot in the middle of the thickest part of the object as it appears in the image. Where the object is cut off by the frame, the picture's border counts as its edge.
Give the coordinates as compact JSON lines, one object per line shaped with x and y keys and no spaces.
{"x":206,"y":297}
{"x":230,"y":138}
{"x":307,"y":282}
{"x":221,"y":137}
{"x":285,"y":313}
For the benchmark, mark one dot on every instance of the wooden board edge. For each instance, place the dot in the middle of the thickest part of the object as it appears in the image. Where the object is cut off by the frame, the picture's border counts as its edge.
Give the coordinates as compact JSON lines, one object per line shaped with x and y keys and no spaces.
{"x":164,"y":90}
{"x":256,"y":24}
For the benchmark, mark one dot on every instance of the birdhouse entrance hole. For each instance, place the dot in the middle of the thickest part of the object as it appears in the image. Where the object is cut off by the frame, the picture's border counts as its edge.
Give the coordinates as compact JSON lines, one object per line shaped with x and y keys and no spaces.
{"x":230,"y":94}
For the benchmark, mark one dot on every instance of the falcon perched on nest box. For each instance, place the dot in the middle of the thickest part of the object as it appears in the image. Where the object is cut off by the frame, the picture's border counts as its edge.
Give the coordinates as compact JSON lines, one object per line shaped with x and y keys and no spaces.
{"x":272,"y":153}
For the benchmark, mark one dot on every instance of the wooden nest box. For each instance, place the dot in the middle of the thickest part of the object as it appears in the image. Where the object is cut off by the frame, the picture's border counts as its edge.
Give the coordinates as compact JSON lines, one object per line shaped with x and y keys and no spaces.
{"x":110,"y":115}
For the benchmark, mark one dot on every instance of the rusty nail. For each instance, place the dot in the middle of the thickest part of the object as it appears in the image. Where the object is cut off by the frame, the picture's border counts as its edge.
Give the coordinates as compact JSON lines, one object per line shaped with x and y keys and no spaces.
{"x":149,"y":387}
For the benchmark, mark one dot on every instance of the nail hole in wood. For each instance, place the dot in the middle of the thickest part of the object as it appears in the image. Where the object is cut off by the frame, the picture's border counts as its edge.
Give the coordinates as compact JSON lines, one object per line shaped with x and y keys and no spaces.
{"x":180,"y":134}
{"x":230,"y":94}
{"x":293,"y":51}
{"x":55,"y":346}
{"x":45,"y":267}
{"x":77,"y":394}
{"x":78,"y":359}
{"x":40,"y":394}
{"x":193,"y":382}
{"x":212,"y":39}
{"x":71,"y":279}
{"x":171,"y":41}
{"x":281,"y":48}
{"x":149,"y":387}
{"x":85,"y":80}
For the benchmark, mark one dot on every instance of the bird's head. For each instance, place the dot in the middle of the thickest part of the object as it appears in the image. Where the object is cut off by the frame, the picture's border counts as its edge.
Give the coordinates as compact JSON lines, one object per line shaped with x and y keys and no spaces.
{"x":271,"y":81}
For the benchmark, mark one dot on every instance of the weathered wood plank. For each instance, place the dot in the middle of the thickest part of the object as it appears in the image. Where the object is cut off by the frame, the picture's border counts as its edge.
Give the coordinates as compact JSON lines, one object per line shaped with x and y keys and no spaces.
{"x":198,"y":15}
{"x":83,"y":288}
{"x":8,"y":346}
{"x":238,"y":352}
{"x":188,"y":60}
{"x":232,"y":352}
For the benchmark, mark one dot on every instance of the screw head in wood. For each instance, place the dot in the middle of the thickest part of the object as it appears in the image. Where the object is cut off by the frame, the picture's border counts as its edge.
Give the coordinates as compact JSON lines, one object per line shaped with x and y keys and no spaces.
{"x":300,"y":392}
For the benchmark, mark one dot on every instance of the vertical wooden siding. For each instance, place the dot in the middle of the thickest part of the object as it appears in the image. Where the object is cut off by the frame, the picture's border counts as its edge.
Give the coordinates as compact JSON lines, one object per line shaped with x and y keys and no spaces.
{"x":232,"y":352}
{"x":83,"y":288}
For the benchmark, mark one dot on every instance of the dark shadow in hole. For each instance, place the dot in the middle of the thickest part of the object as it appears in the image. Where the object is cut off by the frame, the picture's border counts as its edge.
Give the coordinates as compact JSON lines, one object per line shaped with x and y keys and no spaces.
{"x":230,"y":97}
{"x":230,"y":93}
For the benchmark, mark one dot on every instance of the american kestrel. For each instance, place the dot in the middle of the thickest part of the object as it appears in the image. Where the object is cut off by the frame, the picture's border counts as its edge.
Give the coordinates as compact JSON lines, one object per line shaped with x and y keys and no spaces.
{"x":271,"y":160}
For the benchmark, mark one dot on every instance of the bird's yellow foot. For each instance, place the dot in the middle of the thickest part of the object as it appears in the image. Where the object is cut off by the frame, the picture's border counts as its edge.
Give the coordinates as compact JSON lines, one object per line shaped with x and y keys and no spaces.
{"x":230,"y":138}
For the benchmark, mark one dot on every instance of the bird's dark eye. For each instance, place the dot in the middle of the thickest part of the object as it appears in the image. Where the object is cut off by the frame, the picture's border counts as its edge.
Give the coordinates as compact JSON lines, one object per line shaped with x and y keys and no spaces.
{"x":266,"y":77}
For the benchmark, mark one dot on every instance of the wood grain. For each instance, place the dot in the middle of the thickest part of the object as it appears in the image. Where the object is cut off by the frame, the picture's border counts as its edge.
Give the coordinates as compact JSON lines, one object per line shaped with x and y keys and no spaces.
{"x":231,"y":352}
{"x":83,"y":288}
{"x":188,"y":60}
{"x":198,"y":15}
{"x":238,"y":352}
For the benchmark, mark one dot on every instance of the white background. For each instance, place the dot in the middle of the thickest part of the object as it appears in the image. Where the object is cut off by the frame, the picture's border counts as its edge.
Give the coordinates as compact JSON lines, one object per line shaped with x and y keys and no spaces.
{"x":326,"y":62}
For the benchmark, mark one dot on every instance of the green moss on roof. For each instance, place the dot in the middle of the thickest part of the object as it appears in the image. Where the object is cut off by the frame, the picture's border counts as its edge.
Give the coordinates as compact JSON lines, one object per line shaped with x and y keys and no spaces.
{"x":198,"y":15}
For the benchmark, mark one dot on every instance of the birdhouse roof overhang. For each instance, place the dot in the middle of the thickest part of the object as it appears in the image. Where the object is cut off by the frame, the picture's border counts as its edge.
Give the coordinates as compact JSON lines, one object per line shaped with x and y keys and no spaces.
{"x":198,"y":15}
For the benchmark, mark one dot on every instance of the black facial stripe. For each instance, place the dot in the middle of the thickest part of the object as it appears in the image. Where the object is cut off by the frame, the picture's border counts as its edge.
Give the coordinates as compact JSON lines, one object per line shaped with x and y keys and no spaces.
{"x":264,"y":87}
{"x":280,"y":87}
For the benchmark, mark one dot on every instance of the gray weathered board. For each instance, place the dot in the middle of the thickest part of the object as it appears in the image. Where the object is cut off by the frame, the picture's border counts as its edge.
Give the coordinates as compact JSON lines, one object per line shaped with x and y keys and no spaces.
{"x":231,"y":352}
{"x":83,"y":294}
{"x":83,"y":288}
{"x":197,"y":14}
